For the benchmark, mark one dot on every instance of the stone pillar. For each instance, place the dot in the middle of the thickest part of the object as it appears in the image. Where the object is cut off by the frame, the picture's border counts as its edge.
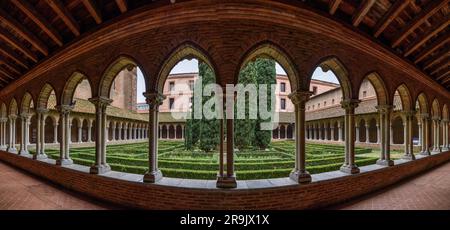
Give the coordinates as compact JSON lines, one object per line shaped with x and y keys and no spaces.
{"x":119,"y":131}
{"x":55,"y":133}
{"x":40,"y":141}
{"x":332,"y":131}
{"x":340,"y":132}
{"x":64,"y":117}
{"x":23,"y":135}
{"x":425,"y":135}
{"x":384,"y":112}
{"x":100,"y":166}
{"x":3,"y":134}
{"x":113,"y":131}
{"x":325,"y":129}
{"x":436,"y":144}
{"x":420,"y":132}
{"x":367,"y":132}
{"x":378,"y":132}
{"x":154,"y":100}
{"x":80,"y":128}
{"x":357,"y":133}
{"x":12,"y":134}
{"x":319,"y":128}
{"x":445,"y":146}
{"x":391,"y":138}
{"x":349,"y":166}
{"x":409,"y":155}
{"x":299,"y":173}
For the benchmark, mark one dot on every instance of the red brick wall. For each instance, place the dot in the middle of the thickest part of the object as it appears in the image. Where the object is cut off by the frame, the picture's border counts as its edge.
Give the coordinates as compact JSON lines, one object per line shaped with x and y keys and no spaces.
{"x":150,"y":196}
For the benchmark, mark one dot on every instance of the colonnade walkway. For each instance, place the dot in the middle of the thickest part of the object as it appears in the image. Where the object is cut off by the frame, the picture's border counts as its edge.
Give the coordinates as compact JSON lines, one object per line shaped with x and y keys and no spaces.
{"x":22,"y":191}
{"x":427,"y":191}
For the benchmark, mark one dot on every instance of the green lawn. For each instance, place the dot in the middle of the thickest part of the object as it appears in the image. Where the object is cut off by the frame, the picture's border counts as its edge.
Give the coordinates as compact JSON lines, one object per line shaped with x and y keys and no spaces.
{"x":174,"y":161}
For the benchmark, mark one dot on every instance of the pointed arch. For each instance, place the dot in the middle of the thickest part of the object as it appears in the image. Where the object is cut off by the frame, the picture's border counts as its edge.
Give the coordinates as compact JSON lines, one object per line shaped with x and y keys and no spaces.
{"x":119,"y":64}
{"x":445,"y":112}
{"x":335,"y":65}
{"x":270,"y":50}
{"x":436,"y":109}
{"x":186,"y":50}
{"x":13,"y":110}
{"x":3,"y":111}
{"x":71,"y":85}
{"x":422,"y":103}
{"x":26,"y":103}
{"x":44,"y":96}
{"x":405,"y":97}
{"x":379,"y":87}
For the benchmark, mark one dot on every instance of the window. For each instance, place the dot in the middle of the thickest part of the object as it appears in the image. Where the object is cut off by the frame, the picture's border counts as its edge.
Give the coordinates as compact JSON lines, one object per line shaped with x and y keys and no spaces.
{"x":171,"y":86}
{"x":313,"y":106}
{"x":314,"y":90}
{"x":283,"y":87}
{"x":324,"y":103}
{"x":364,"y":94}
{"x":332,"y":101}
{"x":171,"y":103}
{"x":191,"y":85}
{"x":283,"y":103}
{"x":318,"y":106}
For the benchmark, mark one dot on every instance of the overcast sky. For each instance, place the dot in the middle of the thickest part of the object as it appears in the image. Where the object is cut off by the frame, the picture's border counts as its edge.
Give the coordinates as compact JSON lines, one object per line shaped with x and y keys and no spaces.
{"x":187,"y":66}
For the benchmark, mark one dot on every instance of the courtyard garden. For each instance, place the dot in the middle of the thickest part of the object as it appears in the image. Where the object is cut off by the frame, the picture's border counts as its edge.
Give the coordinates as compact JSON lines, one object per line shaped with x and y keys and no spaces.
{"x":174,"y":161}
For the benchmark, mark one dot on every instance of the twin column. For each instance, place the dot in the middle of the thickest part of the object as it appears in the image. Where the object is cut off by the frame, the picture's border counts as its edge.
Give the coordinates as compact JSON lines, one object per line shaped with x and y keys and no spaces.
{"x":349,"y":166}
{"x":100,"y":166}
{"x":384,"y":112}
{"x":40,"y":141}
{"x":64,"y":117}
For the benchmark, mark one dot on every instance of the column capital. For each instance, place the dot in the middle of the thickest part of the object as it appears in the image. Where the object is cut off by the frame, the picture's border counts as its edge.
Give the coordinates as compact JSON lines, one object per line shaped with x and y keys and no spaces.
{"x":445,"y":120}
{"x":154,"y":99}
{"x":100,"y":101}
{"x":384,"y":108}
{"x":3,"y":119}
{"x":424,"y":115}
{"x":25,"y":116}
{"x":436,"y":118}
{"x":350,"y":103}
{"x":409,"y":114}
{"x":297,"y":97}
{"x":12,"y":116}
{"x":65,"y":109}
{"x":41,"y":110}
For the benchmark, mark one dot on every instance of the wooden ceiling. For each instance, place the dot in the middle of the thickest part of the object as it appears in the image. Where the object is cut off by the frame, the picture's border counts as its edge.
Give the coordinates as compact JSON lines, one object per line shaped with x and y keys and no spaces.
{"x":32,"y":30}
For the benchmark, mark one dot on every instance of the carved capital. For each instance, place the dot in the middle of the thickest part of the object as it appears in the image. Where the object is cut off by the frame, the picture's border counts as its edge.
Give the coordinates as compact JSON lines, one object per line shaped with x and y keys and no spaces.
{"x":41,"y":110}
{"x":384,"y":109}
{"x":299,"y":97}
{"x":436,"y":118}
{"x":101,"y":102}
{"x":154,"y":99}
{"x":409,"y":114}
{"x":350,"y":103}
{"x":65,"y":109}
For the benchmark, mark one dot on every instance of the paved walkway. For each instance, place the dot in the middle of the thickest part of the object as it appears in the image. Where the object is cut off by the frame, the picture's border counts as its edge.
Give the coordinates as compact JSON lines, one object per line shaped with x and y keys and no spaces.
{"x":430,"y":190}
{"x":20,"y":190}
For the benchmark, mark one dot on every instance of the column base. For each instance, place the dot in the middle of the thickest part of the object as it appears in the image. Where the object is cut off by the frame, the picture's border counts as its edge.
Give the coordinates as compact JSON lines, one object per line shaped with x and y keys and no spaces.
{"x":64,"y":161}
{"x":99,"y":169}
{"x":445,"y":149}
{"x":152,"y":177}
{"x":40,"y":156}
{"x":24,"y":153}
{"x":425,"y":153}
{"x":435,"y":151}
{"x":3,"y":148}
{"x":408,"y":156}
{"x":226,"y":181}
{"x":12,"y":150}
{"x":385,"y":162}
{"x":300,"y":177}
{"x":350,"y":169}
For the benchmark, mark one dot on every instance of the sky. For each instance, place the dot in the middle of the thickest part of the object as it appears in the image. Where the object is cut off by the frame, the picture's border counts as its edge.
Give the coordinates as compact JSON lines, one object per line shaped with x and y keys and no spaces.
{"x":189,"y":66}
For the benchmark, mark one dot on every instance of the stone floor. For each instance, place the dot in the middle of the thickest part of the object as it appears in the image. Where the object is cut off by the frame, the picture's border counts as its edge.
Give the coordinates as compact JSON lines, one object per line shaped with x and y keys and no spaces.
{"x":430,"y":190}
{"x":20,"y":190}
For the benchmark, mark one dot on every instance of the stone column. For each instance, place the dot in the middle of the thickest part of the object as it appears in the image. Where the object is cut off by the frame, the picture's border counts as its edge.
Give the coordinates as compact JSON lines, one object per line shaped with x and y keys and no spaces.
{"x":119,"y":131}
{"x":349,"y":166}
{"x":332,"y":131}
{"x":425,"y":135}
{"x":64,"y":117}
{"x":113,"y":131}
{"x":100,"y":166}
{"x":340,"y":132}
{"x":445,"y":146}
{"x":409,"y":155}
{"x":378,"y":132}
{"x":55,"y":133}
{"x":12,"y":134}
{"x":3,"y":134}
{"x":154,"y":100}
{"x":23,"y":135}
{"x":391,"y":138}
{"x":40,"y":140}
{"x":367,"y":132}
{"x":357,"y":133}
{"x":319,"y":128}
{"x":420,"y":132}
{"x":436,"y":146}
{"x":299,"y":173}
{"x":80,"y":136}
{"x":325,"y":129}
{"x":384,"y":112}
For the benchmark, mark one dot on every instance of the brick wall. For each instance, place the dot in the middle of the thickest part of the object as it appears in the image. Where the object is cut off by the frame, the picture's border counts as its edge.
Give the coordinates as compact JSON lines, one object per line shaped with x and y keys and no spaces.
{"x":150,"y":196}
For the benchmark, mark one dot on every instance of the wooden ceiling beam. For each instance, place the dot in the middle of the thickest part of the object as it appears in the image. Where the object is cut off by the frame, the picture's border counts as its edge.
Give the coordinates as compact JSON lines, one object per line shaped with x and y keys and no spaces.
{"x":446,"y":80}
{"x":37,"y":18}
{"x":389,"y":16}
{"x":8,"y":52}
{"x":437,"y":58}
{"x":2,"y":78}
{"x":23,"y":32}
{"x":122,"y":4}
{"x":431,"y":9}
{"x":439,"y":68}
{"x":427,"y":35}
{"x":93,"y":10}
{"x":442,"y":40}
{"x":9,"y":66}
{"x":362,"y":11}
{"x":6,"y":74}
{"x":334,"y":5}
{"x":65,"y":15}
{"x":7,"y":37}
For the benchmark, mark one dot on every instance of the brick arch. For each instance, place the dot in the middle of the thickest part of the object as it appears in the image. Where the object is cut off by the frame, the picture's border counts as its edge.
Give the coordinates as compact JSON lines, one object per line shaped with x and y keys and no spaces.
{"x":187,"y":50}
{"x":113,"y":69}
{"x":273,"y":51}
{"x":422,"y":103}
{"x":405,"y":97}
{"x":70,"y":87}
{"x":3,"y":111}
{"x":445,"y":112}
{"x":26,"y":103}
{"x":380,"y":87}
{"x":44,"y":95}
{"x":13,"y":110}
{"x":340,"y":71}
{"x":436,"y":108}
